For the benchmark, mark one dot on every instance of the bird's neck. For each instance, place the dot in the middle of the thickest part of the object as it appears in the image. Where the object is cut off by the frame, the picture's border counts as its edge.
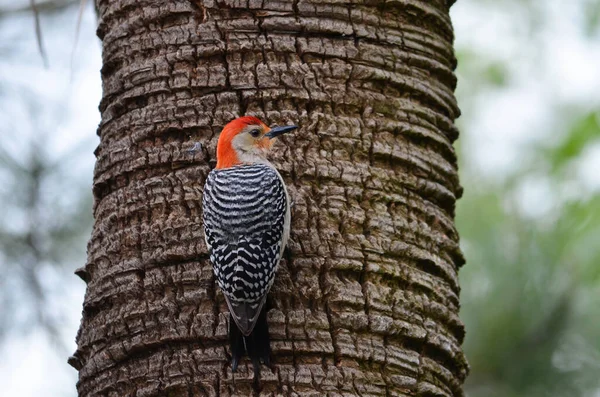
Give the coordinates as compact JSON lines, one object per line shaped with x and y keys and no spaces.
{"x":232,"y":158}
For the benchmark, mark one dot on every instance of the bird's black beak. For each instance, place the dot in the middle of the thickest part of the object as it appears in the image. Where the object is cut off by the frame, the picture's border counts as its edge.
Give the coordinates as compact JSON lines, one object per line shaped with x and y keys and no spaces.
{"x":276,"y":131}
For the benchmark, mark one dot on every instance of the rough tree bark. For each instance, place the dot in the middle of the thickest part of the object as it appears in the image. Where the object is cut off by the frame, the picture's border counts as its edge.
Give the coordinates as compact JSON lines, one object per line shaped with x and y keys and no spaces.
{"x":366,"y":300}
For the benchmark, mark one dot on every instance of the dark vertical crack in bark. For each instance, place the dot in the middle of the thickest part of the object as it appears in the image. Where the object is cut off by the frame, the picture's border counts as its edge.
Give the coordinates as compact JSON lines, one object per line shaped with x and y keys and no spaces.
{"x":366,"y":302}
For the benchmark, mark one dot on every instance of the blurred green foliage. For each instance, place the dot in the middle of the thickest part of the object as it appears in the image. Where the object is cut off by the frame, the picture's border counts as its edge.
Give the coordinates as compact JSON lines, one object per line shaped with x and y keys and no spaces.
{"x":530,"y":295}
{"x":531,"y":287}
{"x":584,"y":133}
{"x":482,"y":72}
{"x":592,"y":17}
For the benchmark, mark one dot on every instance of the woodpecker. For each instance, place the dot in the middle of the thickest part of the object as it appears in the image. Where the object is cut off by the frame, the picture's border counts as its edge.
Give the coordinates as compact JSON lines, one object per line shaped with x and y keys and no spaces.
{"x":246,"y":214}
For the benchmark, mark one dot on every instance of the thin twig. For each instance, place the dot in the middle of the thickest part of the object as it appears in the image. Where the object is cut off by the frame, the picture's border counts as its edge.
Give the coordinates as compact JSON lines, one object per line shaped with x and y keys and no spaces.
{"x":38,"y":33}
{"x":82,"y":5}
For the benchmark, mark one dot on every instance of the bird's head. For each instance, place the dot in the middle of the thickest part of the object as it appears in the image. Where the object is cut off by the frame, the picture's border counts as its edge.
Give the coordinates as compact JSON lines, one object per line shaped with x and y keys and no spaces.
{"x":246,"y":140}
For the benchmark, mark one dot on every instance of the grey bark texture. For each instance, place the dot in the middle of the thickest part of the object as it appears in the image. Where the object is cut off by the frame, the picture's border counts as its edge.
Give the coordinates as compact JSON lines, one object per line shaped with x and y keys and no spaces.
{"x":366,"y":300}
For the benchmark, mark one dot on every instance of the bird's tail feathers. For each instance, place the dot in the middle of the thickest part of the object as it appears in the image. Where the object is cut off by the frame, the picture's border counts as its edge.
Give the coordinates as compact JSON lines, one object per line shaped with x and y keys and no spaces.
{"x":257,"y":345}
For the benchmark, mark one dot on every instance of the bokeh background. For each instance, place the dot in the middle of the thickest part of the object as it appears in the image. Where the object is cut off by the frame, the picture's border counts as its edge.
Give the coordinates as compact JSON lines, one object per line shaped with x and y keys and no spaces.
{"x":529,"y":89}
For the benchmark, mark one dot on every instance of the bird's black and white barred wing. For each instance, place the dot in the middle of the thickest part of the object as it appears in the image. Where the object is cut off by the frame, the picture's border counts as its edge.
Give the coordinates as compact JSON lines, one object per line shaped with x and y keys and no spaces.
{"x":244,"y":215}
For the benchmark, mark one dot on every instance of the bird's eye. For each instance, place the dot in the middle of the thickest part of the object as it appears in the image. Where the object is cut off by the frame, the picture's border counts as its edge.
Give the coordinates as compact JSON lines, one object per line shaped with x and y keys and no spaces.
{"x":255,"y":133}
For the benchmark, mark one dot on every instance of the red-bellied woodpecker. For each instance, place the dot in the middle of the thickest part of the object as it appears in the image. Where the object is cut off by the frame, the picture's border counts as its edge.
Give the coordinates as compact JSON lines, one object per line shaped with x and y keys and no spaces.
{"x":246,"y":225}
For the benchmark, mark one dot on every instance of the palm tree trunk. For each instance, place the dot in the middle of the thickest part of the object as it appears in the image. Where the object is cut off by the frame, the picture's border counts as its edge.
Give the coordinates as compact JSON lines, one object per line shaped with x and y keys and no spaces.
{"x":366,"y":301}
